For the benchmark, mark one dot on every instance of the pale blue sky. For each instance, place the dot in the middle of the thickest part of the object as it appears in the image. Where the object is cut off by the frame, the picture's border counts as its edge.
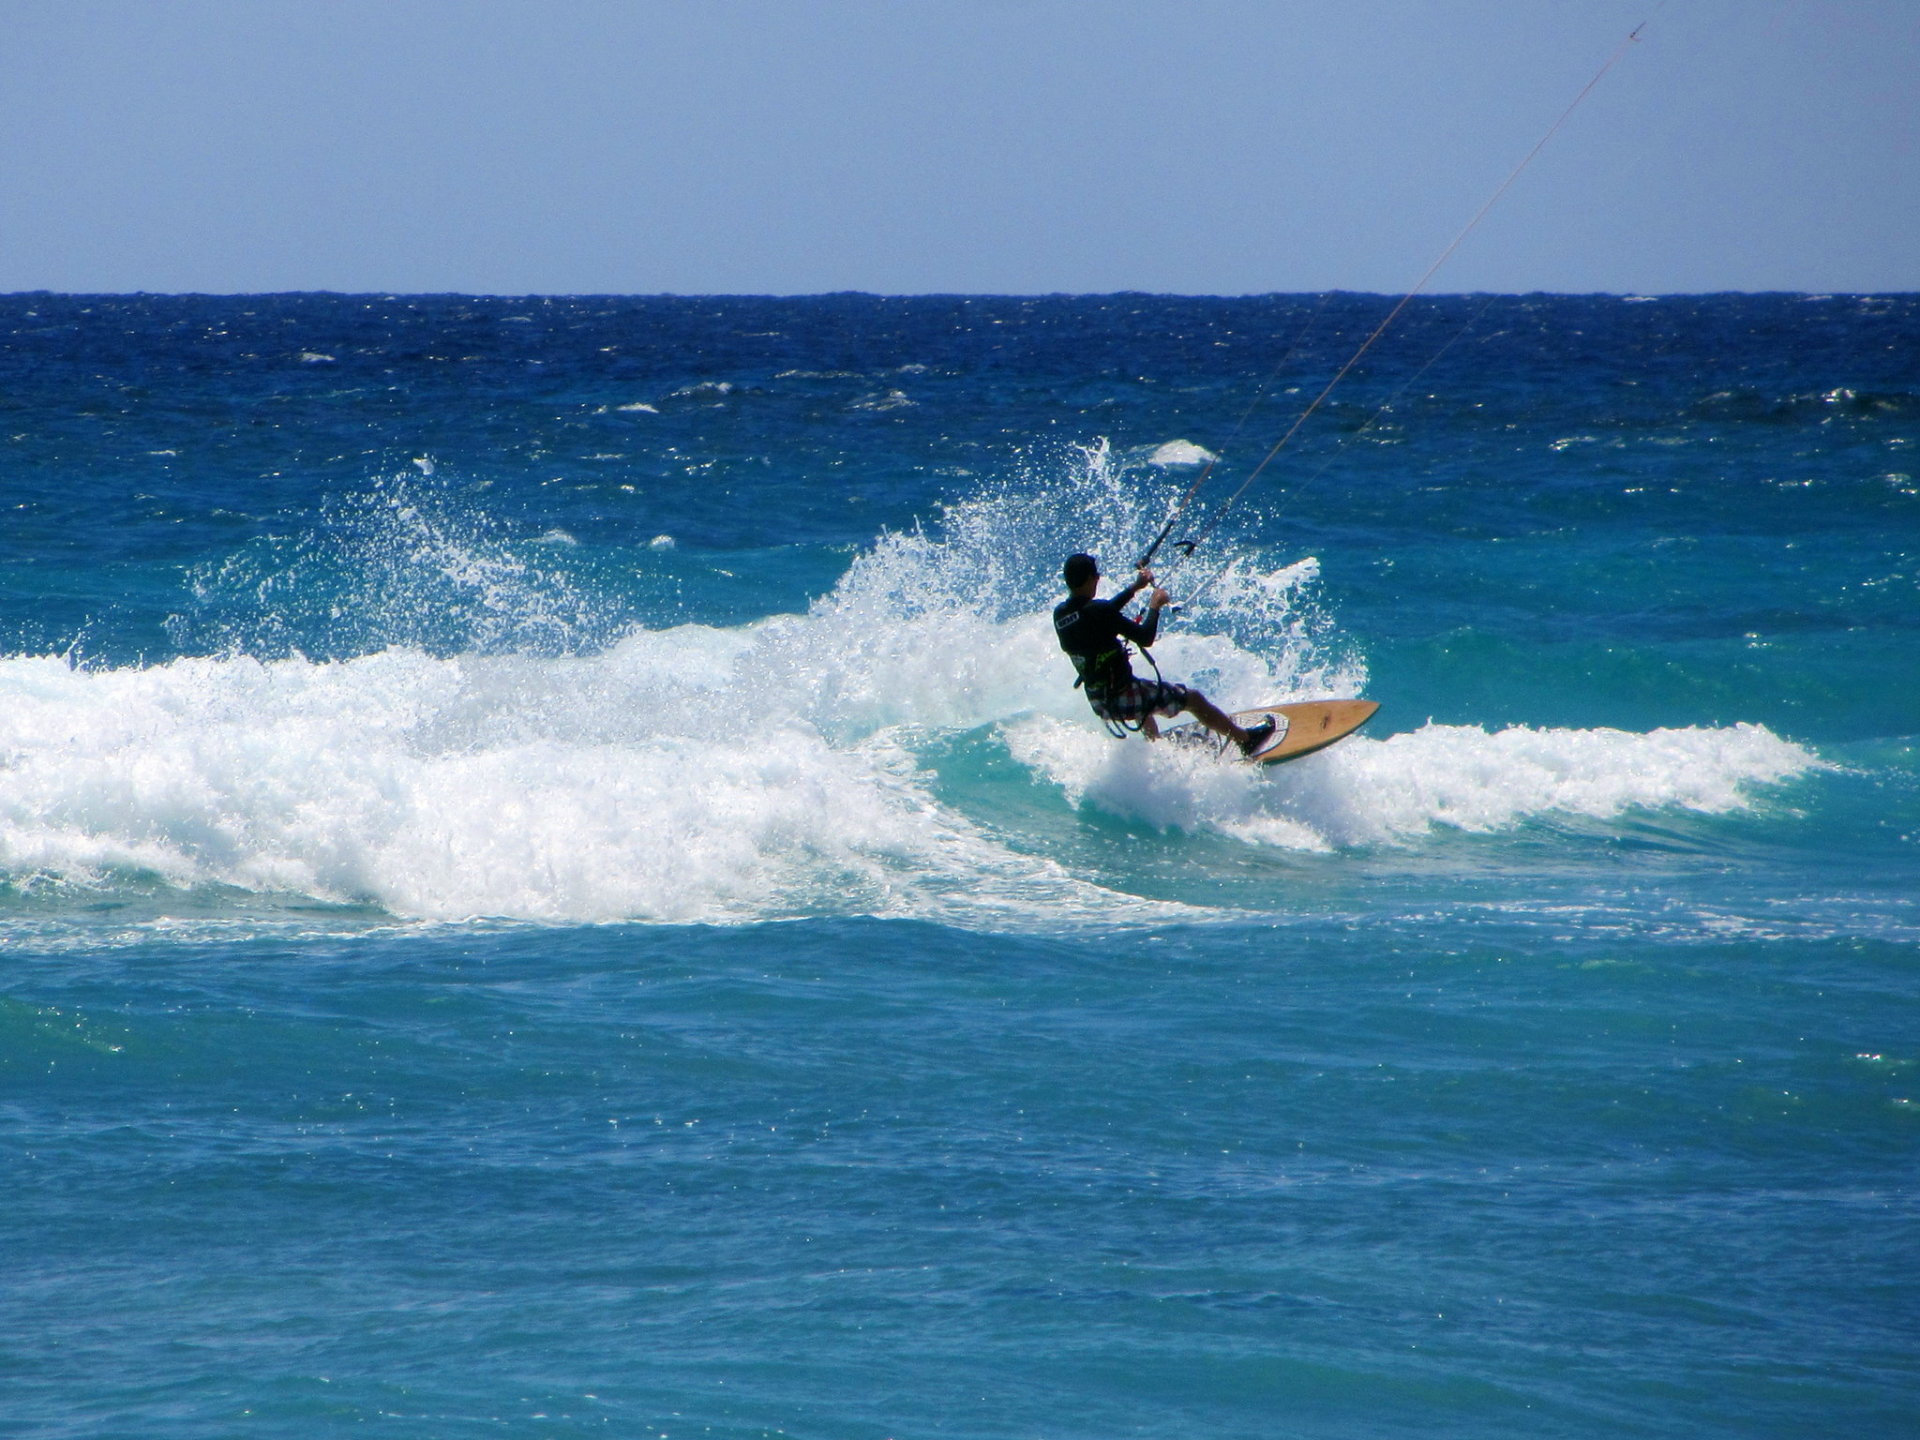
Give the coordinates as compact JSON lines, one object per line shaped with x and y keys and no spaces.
{"x":909,"y":146}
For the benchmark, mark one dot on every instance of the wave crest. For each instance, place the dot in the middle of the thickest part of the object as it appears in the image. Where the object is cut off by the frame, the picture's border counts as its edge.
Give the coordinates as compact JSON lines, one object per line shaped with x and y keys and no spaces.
{"x":1390,"y":791}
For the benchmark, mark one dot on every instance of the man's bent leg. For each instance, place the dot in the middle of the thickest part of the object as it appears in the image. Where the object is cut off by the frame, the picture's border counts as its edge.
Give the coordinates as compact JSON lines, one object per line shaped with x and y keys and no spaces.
{"x":1214,"y":718}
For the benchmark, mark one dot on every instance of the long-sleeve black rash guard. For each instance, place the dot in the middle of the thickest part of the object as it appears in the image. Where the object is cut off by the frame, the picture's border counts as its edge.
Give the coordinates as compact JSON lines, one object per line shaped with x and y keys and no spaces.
{"x":1092,"y":632}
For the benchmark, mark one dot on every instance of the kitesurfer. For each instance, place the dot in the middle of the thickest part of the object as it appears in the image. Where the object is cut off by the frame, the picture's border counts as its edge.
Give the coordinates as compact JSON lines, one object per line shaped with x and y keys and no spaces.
{"x":1094,"y":633}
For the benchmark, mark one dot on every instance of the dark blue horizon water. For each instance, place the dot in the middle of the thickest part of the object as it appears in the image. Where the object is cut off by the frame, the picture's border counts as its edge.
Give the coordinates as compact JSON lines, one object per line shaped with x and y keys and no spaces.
{"x":552,"y":881}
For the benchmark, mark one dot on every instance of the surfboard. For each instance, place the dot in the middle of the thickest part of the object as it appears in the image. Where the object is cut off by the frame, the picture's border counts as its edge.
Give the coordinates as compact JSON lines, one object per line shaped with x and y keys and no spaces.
{"x":1300,"y":727}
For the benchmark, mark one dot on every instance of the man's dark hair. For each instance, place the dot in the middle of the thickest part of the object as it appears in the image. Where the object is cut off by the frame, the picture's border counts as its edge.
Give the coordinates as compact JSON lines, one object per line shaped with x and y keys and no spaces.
{"x":1079,"y":569}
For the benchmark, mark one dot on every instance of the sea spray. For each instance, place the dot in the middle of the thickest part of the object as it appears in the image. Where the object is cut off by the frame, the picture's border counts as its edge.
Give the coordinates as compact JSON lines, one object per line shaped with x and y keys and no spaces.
{"x":1549,"y":1070}
{"x":569,"y":789}
{"x":784,"y":767}
{"x":1367,"y":791}
{"x":412,"y":560}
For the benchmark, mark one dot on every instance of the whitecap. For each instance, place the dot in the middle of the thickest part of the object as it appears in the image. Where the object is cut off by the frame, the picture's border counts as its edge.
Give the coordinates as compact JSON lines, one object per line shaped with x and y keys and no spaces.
{"x":550,"y":770}
{"x":667,"y":780}
{"x":1176,"y":454}
{"x":1391,"y":791}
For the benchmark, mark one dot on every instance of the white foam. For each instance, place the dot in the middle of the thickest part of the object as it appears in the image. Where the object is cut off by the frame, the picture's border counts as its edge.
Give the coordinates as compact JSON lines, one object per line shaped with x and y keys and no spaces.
{"x":688,"y":774}
{"x":710,"y":774}
{"x":1178,"y":453}
{"x":1368,"y":791}
{"x":640,"y":784}
{"x":705,"y":389}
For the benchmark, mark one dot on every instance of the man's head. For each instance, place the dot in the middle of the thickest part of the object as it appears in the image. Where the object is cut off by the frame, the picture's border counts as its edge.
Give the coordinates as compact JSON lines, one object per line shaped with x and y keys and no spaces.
{"x":1080,"y":571}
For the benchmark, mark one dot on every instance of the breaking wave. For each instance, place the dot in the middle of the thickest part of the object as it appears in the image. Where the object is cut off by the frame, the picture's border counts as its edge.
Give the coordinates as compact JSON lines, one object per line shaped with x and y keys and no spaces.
{"x":793,"y":766}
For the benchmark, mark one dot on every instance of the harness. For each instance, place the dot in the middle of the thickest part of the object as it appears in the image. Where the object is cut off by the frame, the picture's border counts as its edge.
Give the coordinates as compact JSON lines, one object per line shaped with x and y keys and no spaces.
{"x":1105,"y":673}
{"x":1109,"y":660}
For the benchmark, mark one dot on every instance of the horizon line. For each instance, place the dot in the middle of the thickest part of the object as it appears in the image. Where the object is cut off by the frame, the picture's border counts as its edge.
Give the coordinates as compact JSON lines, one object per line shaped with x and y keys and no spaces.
{"x":962,"y":295}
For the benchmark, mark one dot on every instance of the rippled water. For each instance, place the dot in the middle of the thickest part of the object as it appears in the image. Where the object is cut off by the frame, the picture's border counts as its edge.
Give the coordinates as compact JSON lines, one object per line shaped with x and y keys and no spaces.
{"x":552,"y":880}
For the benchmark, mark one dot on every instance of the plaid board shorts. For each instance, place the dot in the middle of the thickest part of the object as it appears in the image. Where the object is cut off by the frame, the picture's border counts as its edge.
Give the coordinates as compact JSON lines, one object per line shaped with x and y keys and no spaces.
{"x":1140,"y":698}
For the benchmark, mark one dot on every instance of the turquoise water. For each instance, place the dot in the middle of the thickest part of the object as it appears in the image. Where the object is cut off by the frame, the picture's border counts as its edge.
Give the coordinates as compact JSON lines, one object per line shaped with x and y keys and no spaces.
{"x":552,"y":881}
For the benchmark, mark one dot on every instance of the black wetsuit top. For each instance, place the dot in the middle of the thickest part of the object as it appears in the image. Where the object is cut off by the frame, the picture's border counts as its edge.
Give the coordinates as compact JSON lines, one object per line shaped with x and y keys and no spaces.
{"x":1092,"y":633}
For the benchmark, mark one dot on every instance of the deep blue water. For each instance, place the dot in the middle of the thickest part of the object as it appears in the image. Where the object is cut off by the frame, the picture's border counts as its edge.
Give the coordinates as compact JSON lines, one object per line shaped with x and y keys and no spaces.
{"x":552,"y":881}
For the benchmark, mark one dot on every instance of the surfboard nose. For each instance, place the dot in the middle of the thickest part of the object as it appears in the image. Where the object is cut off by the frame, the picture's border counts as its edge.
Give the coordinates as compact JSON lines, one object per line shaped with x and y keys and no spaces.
{"x":1302,"y":727}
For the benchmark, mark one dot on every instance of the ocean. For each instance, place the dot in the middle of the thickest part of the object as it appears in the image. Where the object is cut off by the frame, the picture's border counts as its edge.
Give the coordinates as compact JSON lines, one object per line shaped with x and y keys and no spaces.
{"x":553,"y":881}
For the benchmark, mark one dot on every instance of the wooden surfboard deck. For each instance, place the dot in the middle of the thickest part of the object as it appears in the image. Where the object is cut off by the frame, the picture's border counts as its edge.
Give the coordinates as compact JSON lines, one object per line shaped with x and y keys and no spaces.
{"x":1300,"y":728}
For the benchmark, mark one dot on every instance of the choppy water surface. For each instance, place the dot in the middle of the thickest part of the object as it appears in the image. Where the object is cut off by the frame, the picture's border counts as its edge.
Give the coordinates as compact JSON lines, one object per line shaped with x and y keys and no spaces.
{"x":552,"y":880}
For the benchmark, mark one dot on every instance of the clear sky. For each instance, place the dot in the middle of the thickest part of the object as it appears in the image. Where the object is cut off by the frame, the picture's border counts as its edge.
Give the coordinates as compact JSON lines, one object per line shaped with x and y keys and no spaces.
{"x":912,"y":146}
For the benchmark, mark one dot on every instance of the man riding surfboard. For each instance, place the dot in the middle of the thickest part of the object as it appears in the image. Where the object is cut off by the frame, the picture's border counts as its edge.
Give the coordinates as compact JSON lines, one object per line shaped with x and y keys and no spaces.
{"x":1095,"y":632}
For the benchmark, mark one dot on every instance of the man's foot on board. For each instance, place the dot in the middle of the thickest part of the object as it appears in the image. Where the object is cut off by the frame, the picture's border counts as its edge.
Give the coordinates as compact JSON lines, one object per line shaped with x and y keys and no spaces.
{"x":1254,"y":736}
